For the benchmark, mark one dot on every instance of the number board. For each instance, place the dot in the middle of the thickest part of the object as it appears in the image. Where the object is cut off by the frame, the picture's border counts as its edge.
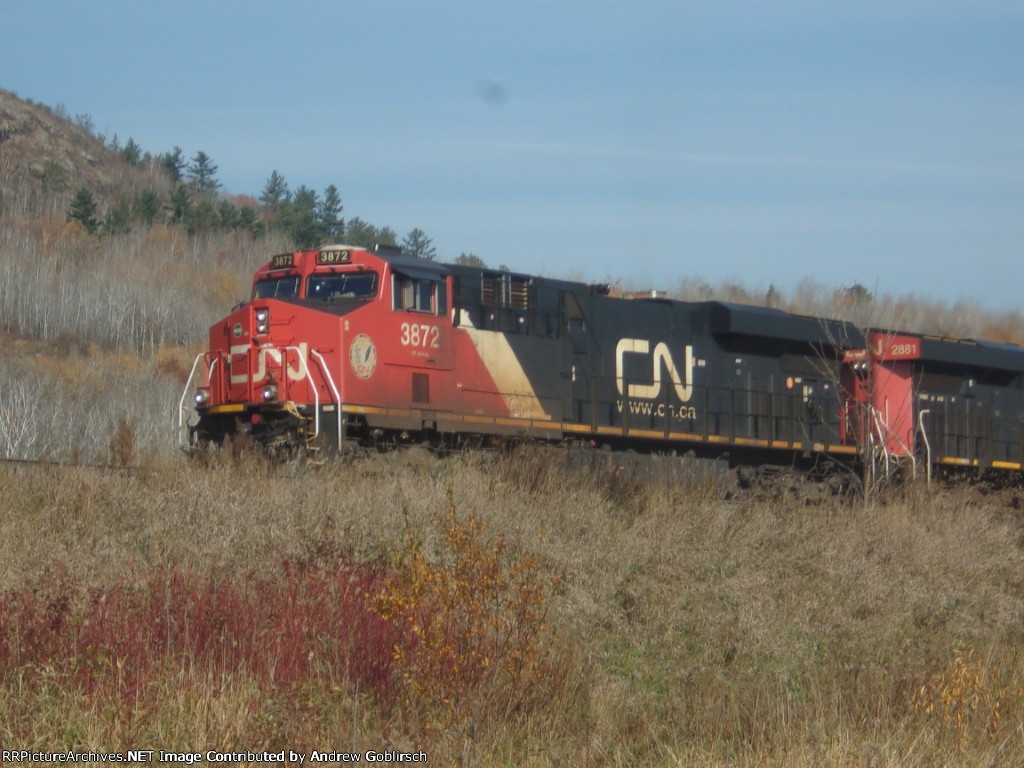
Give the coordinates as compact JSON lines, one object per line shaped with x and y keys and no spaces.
{"x":889,"y":346}
{"x":334,"y":257}
{"x":283,"y":261}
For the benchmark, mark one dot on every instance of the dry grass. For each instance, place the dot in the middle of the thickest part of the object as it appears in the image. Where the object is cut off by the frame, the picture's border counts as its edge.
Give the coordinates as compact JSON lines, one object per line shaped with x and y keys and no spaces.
{"x":692,"y":630}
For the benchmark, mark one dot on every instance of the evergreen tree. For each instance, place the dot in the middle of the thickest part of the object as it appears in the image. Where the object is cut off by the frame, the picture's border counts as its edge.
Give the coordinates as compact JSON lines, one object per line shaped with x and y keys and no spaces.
{"x":228,"y":214}
{"x":275,"y":193}
{"x":202,"y":174}
{"x":181,"y":204}
{"x":470,"y":260}
{"x":146,"y":207}
{"x":387,"y":236}
{"x":332,"y":226}
{"x":416,"y":243}
{"x":249,"y":220}
{"x":83,"y":210}
{"x":858,"y":295}
{"x":365,"y":235}
{"x":201,"y":217}
{"x":360,"y":233}
{"x":53,"y":179}
{"x":174,"y":163}
{"x":132,"y":153}
{"x":300,"y":219}
{"x":118,"y":218}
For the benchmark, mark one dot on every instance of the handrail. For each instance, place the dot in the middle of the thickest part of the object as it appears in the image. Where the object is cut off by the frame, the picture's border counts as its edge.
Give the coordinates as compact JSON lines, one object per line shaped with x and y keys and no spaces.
{"x":182,"y":418}
{"x":304,"y":372}
{"x":927,"y":444}
{"x":334,"y":390}
{"x":312,"y":386}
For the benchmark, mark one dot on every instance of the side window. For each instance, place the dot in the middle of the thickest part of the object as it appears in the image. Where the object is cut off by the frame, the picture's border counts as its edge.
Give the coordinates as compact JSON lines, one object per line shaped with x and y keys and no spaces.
{"x":414,"y":295}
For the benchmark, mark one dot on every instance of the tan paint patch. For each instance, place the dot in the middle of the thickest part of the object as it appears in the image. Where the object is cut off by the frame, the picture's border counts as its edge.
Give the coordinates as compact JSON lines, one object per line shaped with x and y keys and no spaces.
{"x":508,"y":375}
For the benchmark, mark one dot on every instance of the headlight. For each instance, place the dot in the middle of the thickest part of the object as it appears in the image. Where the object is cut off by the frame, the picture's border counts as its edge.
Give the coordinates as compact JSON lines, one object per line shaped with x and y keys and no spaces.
{"x":201,"y":397}
{"x":270,"y":392}
{"x":262,"y":321}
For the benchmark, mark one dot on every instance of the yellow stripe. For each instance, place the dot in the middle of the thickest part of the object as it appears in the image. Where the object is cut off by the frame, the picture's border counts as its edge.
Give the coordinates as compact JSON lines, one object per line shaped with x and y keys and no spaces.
{"x":1007,"y":465}
{"x":848,"y":449}
{"x":568,"y":427}
{"x":956,"y":461}
{"x":233,"y":408}
{"x":586,"y":429}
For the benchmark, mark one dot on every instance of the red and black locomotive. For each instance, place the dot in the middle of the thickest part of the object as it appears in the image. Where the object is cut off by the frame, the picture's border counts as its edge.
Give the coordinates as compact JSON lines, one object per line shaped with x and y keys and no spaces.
{"x":344,"y":345}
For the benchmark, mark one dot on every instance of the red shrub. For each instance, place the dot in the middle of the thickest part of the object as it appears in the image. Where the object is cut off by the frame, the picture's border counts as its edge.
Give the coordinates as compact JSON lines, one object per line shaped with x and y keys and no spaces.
{"x":307,"y":624}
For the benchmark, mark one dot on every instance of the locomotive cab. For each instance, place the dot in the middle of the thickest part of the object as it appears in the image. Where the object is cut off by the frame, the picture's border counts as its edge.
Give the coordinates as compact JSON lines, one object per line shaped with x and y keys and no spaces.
{"x":271,"y":372}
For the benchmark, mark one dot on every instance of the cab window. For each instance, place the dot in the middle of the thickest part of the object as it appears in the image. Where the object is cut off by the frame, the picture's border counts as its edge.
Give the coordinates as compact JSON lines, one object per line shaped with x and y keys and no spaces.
{"x":342,"y":285}
{"x":286,"y":287}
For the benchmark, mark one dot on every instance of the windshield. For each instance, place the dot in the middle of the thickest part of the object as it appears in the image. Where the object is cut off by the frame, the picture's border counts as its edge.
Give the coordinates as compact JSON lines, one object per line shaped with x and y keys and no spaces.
{"x":277,"y":288}
{"x":342,"y":285}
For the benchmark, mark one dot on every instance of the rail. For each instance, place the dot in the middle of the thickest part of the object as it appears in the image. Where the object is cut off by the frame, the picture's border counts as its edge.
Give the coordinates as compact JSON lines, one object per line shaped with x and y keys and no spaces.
{"x":312,"y":386}
{"x":182,"y":412}
{"x":334,"y":390}
{"x":927,"y":444}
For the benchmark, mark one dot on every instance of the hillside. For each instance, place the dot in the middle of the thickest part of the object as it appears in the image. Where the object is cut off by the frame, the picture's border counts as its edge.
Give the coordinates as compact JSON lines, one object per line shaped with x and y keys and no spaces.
{"x":43,"y":149}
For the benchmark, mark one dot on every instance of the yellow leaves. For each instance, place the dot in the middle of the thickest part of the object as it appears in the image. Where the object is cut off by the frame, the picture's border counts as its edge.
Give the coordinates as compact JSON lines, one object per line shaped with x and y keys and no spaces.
{"x":961,"y":699}
{"x":475,"y":619}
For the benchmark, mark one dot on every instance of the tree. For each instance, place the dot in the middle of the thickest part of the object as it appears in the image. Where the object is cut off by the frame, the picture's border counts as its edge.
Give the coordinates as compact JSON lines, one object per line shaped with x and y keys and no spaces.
{"x":53,"y":178}
{"x":365,"y":235}
{"x":228,"y":214}
{"x":470,"y":260}
{"x":132,"y":153}
{"x":249,"y":220}
{"x":181,"y":204}
{"x":360,"y":233}
{"x":174,"y":163}
{"x":387,"y":236}
{"x":300,"y":219}
{"x":416,"y":243}
{"x":83,"y":210}
{"x":202,"y":174}
{"x":146,"y":207}
{"x":332,"y":226}
{"x":118,"y":218}
{"x":858,"y":295}
{"x":275,"y":193}
{"x":201,"y":217}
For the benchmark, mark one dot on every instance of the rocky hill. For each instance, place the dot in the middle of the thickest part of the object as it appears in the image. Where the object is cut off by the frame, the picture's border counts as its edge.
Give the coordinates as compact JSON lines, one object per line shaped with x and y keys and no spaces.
{"x":42,"y":148}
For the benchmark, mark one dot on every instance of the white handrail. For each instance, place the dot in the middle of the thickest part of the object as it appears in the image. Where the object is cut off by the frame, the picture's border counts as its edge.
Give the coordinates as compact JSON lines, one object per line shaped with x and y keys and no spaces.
{"x":182,"y":418}
{"x":334,"y":389}
{"x":927,"y":445}
{"x":312,"y":385}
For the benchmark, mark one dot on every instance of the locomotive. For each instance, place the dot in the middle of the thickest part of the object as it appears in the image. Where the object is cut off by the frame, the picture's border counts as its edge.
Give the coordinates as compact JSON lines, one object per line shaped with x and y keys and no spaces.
{"x":346,"y":346}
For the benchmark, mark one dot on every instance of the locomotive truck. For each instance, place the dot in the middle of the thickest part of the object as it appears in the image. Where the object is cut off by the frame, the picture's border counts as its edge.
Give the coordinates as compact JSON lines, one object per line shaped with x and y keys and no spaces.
{"x":344,"y":346}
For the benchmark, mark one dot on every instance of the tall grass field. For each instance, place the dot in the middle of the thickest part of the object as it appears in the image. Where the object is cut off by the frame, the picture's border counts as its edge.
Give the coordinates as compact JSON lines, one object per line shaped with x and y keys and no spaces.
{"x":500,"y":609}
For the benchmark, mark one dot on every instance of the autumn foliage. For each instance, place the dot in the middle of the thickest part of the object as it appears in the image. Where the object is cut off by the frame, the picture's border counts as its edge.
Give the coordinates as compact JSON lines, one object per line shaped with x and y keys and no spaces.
{"x":475,"y":643}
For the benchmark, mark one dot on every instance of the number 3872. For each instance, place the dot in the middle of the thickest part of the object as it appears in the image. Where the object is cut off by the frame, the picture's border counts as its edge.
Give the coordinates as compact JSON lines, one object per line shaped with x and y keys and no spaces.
{"x":420,"y":335}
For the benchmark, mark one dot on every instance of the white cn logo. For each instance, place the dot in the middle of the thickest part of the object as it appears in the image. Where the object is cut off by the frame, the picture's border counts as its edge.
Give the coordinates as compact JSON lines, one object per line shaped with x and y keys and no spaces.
{"x":237,"y":359}
{"x":660,"y":359}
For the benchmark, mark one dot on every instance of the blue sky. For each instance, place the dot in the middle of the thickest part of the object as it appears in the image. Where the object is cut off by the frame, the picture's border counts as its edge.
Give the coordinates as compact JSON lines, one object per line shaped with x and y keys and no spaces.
{"x":764,"y":143}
